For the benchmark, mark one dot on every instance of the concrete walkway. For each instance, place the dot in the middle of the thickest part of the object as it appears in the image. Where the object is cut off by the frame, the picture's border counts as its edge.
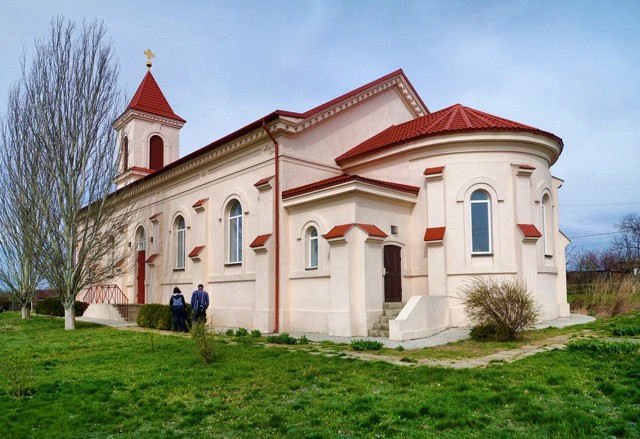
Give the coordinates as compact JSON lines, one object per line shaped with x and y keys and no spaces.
{"x":442,"y":338}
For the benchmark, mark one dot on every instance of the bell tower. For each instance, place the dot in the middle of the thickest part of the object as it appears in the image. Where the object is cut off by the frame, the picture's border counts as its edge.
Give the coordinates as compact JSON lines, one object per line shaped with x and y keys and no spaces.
{"x":148,"y":132}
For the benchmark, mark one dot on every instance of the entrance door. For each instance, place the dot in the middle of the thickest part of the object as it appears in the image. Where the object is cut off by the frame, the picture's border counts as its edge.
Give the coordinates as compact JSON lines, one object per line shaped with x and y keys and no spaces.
{"x":140,"y":279}
{"x":392,"y":274}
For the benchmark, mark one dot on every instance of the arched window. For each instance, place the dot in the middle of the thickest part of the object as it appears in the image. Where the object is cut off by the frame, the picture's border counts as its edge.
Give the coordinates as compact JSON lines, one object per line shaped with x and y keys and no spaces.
{"x":312,"y":247}
{"x":156,"y":153}
{"x":141,"y":239}
{"x":180,"y":242}
{"x":235,"y":232}
{"x":480,"y":223}
{"x":547,"y":225}
{"x":125,"y":154}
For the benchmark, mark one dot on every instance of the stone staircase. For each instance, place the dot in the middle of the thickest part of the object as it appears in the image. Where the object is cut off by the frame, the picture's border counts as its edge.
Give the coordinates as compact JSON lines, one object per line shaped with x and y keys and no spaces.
{"x":390,"y":311}
{"x":133,"y":311}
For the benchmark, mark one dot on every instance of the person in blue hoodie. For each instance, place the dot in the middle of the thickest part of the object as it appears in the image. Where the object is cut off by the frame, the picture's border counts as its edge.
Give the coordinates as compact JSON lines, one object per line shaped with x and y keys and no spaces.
{"x":199,"y":305}
{"x":178,"y":303}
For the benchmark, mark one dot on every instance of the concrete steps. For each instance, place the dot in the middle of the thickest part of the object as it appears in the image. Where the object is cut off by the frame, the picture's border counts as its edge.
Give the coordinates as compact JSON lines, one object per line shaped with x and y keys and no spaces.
{"x":389,"y":312}
{"x":133,"y":310}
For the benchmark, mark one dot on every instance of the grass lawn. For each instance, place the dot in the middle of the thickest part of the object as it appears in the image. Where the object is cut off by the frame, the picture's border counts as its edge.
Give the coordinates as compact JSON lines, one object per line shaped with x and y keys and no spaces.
{"x":98,"y":382}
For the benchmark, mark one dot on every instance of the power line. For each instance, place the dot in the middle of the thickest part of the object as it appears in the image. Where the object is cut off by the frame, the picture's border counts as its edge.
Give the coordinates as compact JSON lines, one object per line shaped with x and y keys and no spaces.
{"x":595,"y":234}
{"x":600,"y":204}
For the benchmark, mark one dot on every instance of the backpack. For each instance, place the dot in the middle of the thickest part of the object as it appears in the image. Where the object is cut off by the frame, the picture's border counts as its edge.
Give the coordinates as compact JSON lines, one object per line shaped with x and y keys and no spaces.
{"x":177,"y":301}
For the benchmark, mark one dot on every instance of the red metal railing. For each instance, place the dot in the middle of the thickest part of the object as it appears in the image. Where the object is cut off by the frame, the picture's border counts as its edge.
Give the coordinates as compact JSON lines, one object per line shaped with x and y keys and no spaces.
{"x":110,"y":294}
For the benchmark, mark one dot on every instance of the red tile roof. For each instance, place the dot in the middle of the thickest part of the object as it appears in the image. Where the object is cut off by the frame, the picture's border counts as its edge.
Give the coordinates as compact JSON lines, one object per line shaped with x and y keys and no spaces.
{"x":451,"y":120}
{"x":345,"y":178}
{"x":154,"y":216}
{"x":151,"y":258}
{"x":260,"y":241}
{"x":434,"y":234}
{"x":530,"y":231}
{"x":149,"y":98}
{"x":196,"y":251}
{"x":432,"y":171}
{"x":199,"y":202}
{"x":263,"y":181}
{"x":341,"y":230}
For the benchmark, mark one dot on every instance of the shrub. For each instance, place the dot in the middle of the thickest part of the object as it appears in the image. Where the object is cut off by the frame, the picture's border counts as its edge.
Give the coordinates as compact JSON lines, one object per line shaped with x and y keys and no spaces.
{"x":504,"y":304}
{"x":366,"y":345}
{"x":159,"y":316}
{"x":255,"y":333}
{"x":204,"y":343}
{"x":484,"y":332}
{"x":399,"y":348}
{"x":229,"y":332}
{"x":303,"y":339}
{"x":53,"y":307}
{"x":283,"y":338}
{"x":241,"y":332}
{"x":603,"y":347}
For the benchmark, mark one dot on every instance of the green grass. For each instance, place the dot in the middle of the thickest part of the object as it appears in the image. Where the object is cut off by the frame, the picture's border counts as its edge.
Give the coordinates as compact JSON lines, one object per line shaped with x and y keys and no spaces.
{"x":99,"y":382}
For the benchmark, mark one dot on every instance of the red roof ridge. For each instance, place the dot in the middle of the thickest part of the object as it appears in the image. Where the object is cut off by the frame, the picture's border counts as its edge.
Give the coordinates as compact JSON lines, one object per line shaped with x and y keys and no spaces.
{"x":342,"y":229}
{"x":530,"y":231}
{"x":454,"y":119}
{"x":150,"y":99}
{"x":345,"y":178}
{"x":260,"y":240}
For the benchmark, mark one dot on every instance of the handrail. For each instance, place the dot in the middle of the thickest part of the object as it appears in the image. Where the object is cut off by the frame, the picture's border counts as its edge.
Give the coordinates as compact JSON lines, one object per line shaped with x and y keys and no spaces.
{"x":110,"y":294}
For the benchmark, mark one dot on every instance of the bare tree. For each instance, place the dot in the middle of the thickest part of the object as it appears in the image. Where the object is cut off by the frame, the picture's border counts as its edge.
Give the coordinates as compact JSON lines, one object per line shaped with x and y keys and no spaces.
{"x":19,"y":274}
{"x":69,"y":98}
{"x":626,"y":243}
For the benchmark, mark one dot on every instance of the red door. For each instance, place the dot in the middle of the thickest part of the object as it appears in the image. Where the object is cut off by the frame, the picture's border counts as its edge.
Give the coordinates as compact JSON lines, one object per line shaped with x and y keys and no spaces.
{"x":392,"y":274}
{"x":140,"y":279}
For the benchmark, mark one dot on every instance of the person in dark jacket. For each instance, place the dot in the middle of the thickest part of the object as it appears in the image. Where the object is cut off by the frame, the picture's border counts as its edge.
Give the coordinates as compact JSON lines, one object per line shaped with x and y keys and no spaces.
{"x":199,"y":305}
{"x":178,"y":304}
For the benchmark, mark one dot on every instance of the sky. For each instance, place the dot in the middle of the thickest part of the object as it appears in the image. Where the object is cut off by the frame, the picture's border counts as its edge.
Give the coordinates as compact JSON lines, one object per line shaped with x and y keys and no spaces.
{"x":568,"y":67}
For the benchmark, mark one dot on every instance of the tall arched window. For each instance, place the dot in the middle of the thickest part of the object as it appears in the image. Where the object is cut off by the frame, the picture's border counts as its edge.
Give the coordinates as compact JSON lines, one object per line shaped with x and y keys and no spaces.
{"x":312,"y":247}
{"x":547,"y":225}
{"x":125,"y":154}
{"x":180,"y":242}
{"x":480,"y":223}
{"x":235,"y":232}
{"x":156,"y":153}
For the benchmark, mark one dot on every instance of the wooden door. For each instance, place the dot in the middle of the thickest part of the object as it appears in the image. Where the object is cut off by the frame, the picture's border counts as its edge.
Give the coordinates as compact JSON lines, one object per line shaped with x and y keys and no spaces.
{"x":392,"y":274}
{"x":140,"y":279}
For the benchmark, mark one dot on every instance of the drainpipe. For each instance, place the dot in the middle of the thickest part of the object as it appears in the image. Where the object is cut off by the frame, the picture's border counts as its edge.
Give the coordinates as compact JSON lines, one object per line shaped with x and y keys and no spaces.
{"x":277,"y":224}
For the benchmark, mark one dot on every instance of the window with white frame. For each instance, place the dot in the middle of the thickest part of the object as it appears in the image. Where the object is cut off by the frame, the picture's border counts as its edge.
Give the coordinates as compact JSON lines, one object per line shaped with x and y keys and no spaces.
{"x":142,"y":240}
{"x":312,"y":248}
{"x":480,"y":223}
{"x":235,"y":232}
{"x":547,"y":225}
{"x":181,"y":230}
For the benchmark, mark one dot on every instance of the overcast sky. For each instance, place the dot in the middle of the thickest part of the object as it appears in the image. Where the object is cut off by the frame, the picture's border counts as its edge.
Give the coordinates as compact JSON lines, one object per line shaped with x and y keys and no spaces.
{"x":569,"y":67}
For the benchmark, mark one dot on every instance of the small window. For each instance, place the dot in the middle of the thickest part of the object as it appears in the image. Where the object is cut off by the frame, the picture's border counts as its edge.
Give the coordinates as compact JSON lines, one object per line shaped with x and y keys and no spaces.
{"x":142,"y":240}
{"x":180,"y":242}
{"x":156,"y":153}
{"x":125,"y":154}
{"x":235,"y":233}
{"x":312,"y":245}
{"x":480,"y":223}
{"x":547,"y":225}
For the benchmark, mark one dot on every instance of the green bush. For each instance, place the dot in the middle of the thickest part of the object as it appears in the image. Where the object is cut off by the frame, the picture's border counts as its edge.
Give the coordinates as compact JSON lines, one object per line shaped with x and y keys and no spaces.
{"x":53,"y":307}
{"x":504,"y":304}
{"x":241,"y":332}
{"x":603,"y":346}
{"x":283,"y":338}
{"x":229,"y":332}
{"x":484,"y":332}
{"x":159,"y":316}
{"x":366,"y":345}
{"x":255,"y":333}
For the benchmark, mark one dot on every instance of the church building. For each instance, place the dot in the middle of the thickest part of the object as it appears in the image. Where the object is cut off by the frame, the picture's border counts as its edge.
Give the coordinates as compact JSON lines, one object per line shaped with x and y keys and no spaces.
{"x":362,"y":216}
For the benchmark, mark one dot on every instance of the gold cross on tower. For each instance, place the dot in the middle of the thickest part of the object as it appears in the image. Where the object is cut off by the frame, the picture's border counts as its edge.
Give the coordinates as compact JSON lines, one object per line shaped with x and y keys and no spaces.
{"x":149,"y":55}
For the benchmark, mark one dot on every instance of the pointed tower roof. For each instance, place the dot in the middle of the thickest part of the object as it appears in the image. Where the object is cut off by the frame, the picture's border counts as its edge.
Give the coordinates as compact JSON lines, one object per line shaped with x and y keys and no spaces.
{"x":149,"y":98}
{"x":451,"y":120}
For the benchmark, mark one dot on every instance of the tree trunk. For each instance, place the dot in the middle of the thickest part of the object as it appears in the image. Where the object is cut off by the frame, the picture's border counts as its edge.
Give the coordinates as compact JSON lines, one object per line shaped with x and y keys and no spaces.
{"x":26,"y":312}
{"x":69,"y":317}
